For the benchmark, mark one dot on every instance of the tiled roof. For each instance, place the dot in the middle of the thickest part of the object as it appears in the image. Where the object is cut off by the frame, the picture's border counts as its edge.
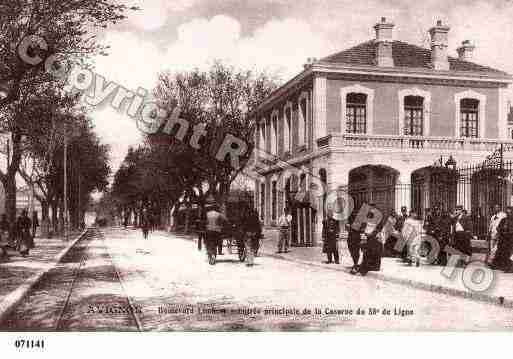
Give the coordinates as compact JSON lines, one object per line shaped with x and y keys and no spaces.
{"x":405,"y":55}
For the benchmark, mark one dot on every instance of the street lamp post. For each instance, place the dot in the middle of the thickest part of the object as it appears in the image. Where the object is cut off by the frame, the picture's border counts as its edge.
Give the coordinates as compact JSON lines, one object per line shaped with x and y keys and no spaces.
{"x":65,"y":182}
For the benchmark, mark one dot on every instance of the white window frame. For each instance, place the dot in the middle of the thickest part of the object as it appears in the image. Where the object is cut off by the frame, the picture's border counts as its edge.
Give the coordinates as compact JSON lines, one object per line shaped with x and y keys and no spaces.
{"x":470,"y":94}
{"x":287,"y":128}
{"x":303,"y":123}
{"x":369,"y":108}
{"x":426,"y":115}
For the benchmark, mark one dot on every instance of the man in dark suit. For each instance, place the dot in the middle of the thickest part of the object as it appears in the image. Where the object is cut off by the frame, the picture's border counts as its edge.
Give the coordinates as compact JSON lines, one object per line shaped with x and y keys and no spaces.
{"x":330,"y":231}
{"x":442,"y":224}
{"x":462,"y":231}
{"x":399,"y":224}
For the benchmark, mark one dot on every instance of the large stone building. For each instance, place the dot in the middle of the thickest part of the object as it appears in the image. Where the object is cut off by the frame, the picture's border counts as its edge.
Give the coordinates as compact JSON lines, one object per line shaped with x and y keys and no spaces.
{"x":373,"y":119}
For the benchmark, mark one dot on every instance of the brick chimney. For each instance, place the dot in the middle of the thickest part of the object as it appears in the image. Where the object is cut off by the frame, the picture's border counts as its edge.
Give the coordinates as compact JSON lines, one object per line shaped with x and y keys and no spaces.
{"x":309,"y":62}
{"x":465,"y":51}
{"x":383,"y":41}
{"x":439,"y":41}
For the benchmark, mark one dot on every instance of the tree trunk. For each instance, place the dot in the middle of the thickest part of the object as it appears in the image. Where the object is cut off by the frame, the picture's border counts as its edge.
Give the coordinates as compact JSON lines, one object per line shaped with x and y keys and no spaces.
{"x":9,"y":183}
{"x":45,"y":224}
{"x":54,"y":216}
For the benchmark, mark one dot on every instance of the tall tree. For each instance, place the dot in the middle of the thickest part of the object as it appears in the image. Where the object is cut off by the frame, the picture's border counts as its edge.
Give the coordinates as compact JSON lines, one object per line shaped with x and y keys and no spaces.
{"x":220,"y":99}
{"x":69,"y":27}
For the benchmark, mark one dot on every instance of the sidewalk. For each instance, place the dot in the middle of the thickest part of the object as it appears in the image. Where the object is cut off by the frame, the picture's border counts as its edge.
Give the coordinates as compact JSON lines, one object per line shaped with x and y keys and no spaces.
{"x":426,"y":277}
{"x":18,"y":274}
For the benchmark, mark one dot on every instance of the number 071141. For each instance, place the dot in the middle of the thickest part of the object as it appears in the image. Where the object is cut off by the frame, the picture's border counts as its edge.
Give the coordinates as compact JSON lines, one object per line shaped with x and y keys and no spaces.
{"x":29,"y":344}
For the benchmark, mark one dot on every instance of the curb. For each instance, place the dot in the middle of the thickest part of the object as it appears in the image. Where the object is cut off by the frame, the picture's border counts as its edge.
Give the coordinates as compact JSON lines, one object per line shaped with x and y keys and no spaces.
{"x":15,"y":297}
{"x":434,"y":288}
{"x":476,"y":296}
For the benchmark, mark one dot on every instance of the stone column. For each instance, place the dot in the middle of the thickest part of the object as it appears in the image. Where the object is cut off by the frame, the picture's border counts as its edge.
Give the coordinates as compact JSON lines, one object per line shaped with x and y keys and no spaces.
{"x":319,"y":108}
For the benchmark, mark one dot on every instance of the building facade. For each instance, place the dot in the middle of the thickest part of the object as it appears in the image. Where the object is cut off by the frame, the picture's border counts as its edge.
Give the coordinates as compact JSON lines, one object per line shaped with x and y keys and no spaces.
{"x":384,"y":121}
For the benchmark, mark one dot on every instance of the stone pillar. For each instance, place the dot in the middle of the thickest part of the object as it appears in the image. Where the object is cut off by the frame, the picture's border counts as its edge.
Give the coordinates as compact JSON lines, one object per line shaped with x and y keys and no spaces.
{"x":319,"y":108}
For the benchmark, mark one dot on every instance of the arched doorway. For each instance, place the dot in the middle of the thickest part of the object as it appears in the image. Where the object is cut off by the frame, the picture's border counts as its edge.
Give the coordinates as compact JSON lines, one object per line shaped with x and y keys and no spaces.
{"x":433,"y":186}
{"x":374,"y":184}
{"x":302,"y":209}
{"x":489,"y":186}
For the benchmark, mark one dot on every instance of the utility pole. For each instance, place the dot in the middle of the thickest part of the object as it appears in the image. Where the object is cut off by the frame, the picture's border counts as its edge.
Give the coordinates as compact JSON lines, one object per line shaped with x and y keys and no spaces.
{"x":65,"y":182}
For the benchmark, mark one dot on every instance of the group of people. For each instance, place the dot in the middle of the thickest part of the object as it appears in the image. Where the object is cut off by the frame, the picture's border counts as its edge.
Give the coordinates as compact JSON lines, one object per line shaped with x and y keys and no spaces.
{"x":214,"y":224}
{"x":19,"y":236}
{"x":146,"y":223}
{"x":408,"y":237}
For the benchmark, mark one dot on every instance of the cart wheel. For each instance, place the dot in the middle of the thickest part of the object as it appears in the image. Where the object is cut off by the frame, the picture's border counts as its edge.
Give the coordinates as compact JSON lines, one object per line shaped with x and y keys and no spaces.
{"x":211,"y":258}
{"x":242,"y":253}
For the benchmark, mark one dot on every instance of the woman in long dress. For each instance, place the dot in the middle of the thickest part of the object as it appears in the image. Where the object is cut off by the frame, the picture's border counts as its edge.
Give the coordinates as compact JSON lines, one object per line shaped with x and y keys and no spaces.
{"x":23,"y":229}
{"x":373,"y":248}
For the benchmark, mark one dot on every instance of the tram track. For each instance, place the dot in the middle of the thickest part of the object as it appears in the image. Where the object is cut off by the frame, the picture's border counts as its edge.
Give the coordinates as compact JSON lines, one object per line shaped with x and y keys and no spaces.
{"x":85,"y":291}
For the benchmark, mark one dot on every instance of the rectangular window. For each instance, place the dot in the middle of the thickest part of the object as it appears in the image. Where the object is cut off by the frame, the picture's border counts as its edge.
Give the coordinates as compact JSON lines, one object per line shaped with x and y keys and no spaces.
{"x":469,"y":109}
{"x":413,"y":115}
{"x":262,"y":201}
{"x":356,"y":113}
{"x":274,"y":201}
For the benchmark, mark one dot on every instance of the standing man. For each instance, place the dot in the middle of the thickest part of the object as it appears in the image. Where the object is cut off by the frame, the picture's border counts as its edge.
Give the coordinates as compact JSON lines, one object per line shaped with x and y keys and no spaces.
{"x":23,"y":226}
{"x":399,"y":224}
{"x":35,"y":223}
{"x":353,"y":241}
{"x":497,"y":216}
{"x":215,"y":221}
{"x":145,"y":223}
{"x":330,"y":232}
{"x":284,"y":224}
{"x":252,"y":231}
{"x":502,"y":259}
{"x":462,"y":231}
{"x":442,"y":233}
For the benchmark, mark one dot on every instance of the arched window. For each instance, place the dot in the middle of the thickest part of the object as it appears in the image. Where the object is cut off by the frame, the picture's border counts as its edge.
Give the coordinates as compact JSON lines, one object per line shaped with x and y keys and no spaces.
{"x":356,"y":113}
{"x":262,"y":135}
{"x":413,"y":116}
{"x":324,"y":181}
{"x":274,"y":200}
{"x":274,"y":134}
{"x":469,"y":120}
{"x":303,"y":111}
{"x":287,"y":138}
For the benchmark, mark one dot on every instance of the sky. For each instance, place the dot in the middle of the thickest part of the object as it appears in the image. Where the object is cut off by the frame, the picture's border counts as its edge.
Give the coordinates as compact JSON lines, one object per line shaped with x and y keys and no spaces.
{"x":277,"y":36}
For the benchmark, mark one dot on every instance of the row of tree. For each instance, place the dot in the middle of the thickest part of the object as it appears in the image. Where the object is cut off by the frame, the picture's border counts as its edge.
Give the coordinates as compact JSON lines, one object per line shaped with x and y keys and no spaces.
{"x":167,"y":167}
{"x":37,"y":115}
